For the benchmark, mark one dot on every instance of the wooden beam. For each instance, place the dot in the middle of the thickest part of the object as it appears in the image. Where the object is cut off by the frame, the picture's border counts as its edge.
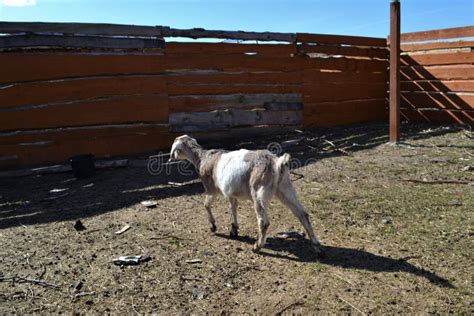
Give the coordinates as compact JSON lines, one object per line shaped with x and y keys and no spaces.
{"x":63,"y":41}
{"x":455,"y":32}
{"x":223,"y":120}
{"x":438,"y":59}
{"x":82,"y":28}
{"x":394,"y":71}
{"x":138,"y":30}
{"x":237,"y":35}
{"x":437,"y":45}
{"x":341,"y":39}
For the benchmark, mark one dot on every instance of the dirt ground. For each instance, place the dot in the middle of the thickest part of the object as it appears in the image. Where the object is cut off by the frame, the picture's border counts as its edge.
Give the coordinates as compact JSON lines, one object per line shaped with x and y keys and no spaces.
{"x":396,"y":223}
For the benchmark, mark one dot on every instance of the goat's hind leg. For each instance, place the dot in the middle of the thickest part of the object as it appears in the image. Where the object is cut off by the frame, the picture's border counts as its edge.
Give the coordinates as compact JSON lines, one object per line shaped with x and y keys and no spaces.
{"x":207,"y":204}
{"x":234,"y":229}
{"x":287,"y":195}
{"x":260,"y":201}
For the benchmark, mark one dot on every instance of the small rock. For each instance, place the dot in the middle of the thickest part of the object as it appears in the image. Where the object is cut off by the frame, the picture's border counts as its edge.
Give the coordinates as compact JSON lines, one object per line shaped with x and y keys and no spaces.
{"x":58,"y":190}
{"x":290,"y":234}
{"x":123,"y":229}
{"x":468,"y":168}
{"x":79,"y":226}
{"x":197,"y":294}
{"x":149,"y":204}
{"x":386,"y":221}
{"x":208,"y":253}
{"x":78,"y":286}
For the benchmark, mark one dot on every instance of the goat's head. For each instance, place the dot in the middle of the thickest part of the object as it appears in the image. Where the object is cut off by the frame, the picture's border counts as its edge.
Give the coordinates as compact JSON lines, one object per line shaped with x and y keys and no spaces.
{"x":183,"y":148}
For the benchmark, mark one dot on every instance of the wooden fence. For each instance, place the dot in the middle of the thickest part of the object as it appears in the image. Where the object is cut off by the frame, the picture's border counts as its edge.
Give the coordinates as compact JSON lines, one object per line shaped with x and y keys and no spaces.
{"x":437,"y":76}
{"x":115,"y":90}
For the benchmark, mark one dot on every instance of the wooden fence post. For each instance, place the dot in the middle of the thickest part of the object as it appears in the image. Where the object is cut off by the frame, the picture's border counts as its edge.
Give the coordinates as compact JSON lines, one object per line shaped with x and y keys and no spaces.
{"x":394,"y":71}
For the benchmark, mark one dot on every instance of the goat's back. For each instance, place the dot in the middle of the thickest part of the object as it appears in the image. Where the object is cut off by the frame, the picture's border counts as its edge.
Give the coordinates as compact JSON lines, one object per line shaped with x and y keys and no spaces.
{"x":236,"y":172}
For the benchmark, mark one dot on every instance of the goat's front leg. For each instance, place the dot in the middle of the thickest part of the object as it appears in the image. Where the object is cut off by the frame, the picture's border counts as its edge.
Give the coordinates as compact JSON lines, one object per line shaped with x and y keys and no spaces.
{"x":207,"y":204}
{"x":234,"y":230}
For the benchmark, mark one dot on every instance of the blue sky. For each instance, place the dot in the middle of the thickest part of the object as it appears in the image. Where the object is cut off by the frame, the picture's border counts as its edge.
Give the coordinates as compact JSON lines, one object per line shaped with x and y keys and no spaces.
{"x":351,"y":17}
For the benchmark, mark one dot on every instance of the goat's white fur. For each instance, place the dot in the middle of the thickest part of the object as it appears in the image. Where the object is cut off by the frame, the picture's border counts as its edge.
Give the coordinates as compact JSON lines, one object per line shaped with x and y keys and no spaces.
{"x":244,"y":174}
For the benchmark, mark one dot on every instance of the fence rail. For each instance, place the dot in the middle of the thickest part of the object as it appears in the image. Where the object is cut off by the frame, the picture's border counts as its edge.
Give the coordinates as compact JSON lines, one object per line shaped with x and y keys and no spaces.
{"x":113,"y":90}
{"x":438,"y":76}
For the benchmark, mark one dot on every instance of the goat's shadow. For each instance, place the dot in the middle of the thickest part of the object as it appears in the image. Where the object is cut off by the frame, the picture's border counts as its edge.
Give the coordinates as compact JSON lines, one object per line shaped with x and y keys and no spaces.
{"x":349,"y":258}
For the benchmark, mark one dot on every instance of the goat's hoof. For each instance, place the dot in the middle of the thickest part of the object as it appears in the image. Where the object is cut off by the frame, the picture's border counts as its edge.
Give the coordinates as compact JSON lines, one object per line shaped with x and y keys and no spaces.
{"x":234,"y":232}
{"x":213,"y":228}
{"x":256,"y":248}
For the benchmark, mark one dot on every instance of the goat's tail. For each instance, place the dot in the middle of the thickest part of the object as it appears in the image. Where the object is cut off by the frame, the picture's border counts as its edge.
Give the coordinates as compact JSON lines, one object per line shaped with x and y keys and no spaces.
{"x":282,"y":163}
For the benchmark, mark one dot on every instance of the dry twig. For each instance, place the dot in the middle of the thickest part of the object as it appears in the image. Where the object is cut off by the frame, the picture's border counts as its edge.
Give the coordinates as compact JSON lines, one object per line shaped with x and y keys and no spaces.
{"x":436,"y":181}
{"x":19,"y":279}
{"x":351,"y":305}
{"x":336,"y":148}
{"x":297,"y":303}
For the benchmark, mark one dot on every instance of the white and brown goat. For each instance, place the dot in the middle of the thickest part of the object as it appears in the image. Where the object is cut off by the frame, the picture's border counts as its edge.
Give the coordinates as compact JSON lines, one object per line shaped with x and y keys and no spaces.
{"x":257,"y":175}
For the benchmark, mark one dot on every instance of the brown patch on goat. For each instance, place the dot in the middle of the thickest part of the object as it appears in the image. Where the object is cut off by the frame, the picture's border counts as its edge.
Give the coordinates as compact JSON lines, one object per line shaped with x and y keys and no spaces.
{"x":207,"y":169}
{"x":263,"y":167}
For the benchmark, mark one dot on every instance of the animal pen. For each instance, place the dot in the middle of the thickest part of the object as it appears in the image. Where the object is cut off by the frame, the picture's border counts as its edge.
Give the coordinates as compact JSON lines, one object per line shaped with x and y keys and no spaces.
{"x":113,"y":90}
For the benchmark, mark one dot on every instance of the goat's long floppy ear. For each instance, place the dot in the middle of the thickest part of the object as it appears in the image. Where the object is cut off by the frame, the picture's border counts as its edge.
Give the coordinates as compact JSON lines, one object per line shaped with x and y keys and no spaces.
{"x":172,"y":152}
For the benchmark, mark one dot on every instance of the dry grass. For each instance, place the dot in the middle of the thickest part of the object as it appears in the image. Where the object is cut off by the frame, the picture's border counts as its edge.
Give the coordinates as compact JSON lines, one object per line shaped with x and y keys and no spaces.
{"x":393,"y":245}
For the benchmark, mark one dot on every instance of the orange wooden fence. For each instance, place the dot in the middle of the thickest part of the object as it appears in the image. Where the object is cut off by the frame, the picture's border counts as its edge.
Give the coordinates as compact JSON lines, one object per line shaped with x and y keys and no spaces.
{"x":113,"y":96}
{"x":437,"y":76}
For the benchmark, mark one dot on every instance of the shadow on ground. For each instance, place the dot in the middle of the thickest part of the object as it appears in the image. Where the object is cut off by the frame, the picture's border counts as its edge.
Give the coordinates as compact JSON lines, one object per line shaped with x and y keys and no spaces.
{"x":300,"y":250}
{"x":28,"y":200}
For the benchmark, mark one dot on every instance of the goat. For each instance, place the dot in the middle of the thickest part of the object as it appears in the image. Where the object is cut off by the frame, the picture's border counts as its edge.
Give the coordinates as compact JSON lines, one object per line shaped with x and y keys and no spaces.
{"x":257,"y":175}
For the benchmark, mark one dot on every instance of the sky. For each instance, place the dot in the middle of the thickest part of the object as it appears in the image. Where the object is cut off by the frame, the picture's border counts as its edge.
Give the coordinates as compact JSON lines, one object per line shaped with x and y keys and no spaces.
{"x":343,"y":17}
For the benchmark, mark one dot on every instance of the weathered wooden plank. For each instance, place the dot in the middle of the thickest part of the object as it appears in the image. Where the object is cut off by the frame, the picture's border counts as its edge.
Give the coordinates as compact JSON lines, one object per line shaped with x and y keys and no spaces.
{"x":352,"y":51}
{"x":139,"y":30}
{"x":438,"y":116}
{"x":238,"y":35}
{"x":453,"y":72}
{"x":149,"y":108}
{"x":455,"y":32}
{"x":436,"y":45}
{"x":284,"y":106}
{"x":42,"y":92}
{"x":327,"y":92}
{"x":219,"y":120}
{"x":454,"y":101}
{"x":340,"y":39}
{"x":82,"y":28}
{"x":41,"y":147}
{"x":438,"y":59}
{"x":341,"y":113}
{"x":232,"y":62}
{"x":36,"y":40}
{"x":230,"y":48}
{"x":36,"y":66}
{"x":18,"y":67}
{"x":187,"y":89}
{"x":215,"y":139}
{"x":316,"y":76}
{"x":215,"y":77}
{"x":197,"y":103}
{"x":345,"y":64}
{"x":438,"y":86}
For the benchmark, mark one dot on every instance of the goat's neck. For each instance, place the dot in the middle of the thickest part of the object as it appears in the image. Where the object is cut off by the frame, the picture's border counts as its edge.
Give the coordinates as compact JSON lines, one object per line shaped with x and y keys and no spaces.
{"x":196,"y":157}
